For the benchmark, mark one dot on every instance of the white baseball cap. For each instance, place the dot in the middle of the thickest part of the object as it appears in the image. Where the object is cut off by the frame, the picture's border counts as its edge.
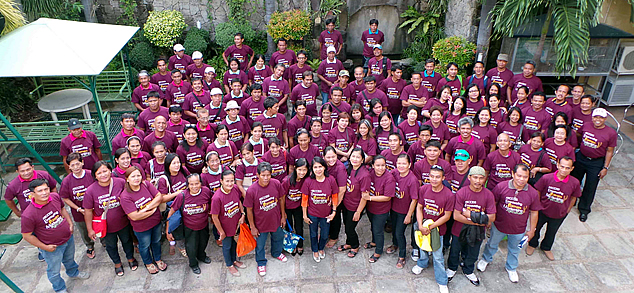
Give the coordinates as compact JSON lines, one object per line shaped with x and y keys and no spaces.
{"x":331,"y":49}
{"x":197,"y":55}
{"x":600,"y":112}
{"x":179,"y":47}
{"x":210,"y":69}
{"x":215,"y":91}
{"x":232,"y":105}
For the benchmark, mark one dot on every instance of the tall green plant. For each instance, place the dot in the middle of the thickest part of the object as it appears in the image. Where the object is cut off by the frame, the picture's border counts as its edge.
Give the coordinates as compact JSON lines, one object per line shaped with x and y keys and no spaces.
{"x":571,"y":19}
{"x":414,"y":18}
{"x":330,"y":6}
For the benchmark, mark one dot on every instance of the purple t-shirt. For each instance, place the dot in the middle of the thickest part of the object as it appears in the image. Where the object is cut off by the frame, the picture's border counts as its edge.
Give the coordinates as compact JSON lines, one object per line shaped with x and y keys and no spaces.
{"x":497,"y":117}
{"x":379,"y":68}
{"x":308,"y":95}
{"x":368,"y":146}
{"x":47,"y":222}
{"x":467,"y":199}
{"x":440,"y":133}
{"x":237,"y":130}
{"x":514,"y":206}
{"x":343,"y":107}
{"x":410,"y":93}
{"x":330,"y":71}
{"x":556,"y":194}
{"x":382,"y":139}
{"x":579,"y":119}
{"x":343,"y":141}
{"x":178,"y":183}
{"x":244,"y":171}
{"x":534,"y":122}
{"x":212,"y":181}
{"x":358,"y":88}
{"x":534,"y":84}
{"x":132,"y":201}
{"x":455,"y":85}
{"x":410,"y":132}
{"x":251,"y":110}
{"x":139,"y":94}
{"x":457,"y":180}
{"x":338,"y":172}
{"x":227,"y":207}
{"x":477,"y":81}
{"x":406,"y":191}
{"x":416,"y":152}
{"x":364,"y":98}
{"x":179,"y":63}
{"x":279,"y":164}
{"x":176,"y":93}
{"x":381,"y":186}
{"x":370,"y":39}
{"x":232,"y":97}
{"x":97,"y":197}
{"x":390,"y":159}
{"x":288,"y":58}
{"x":229,"y":76}
{"x":329,"y":39}
{"x":552,"y":107}
{"x":19,"y":188}
{"x":192,"y":104}
{"x":555,"y":151}
{"x":242,"y":54}
{"x":430,"y":82}
{"x":196,"y":209}
{"x":451,"y":121}
{"x":530,"y":157}
{"x":512,"y":131}
{"x":194,"y":71}
{"x":500,"y":167}
{"x":146,"y":118}
{"x":501,"y":78}
{"x":474,"y":147}
{"x":435,"y":204}
{"x":226,"y":152}
{"x":276,"y":88}
{"x":208,"y":133}
{"x":161,"y":80}
{"x":393,"y":90}
{"x":194,"y":158}
{"x":320,"y":142}
{"x":169,"y":138}
{"x":258,"y":75}
{"x":216,"y":113}
{"x":85,"y":145}
{"x":349,"y":92}
{"x":595,"y":142}
{"x":119,"y":141}
{"x":431,"y":102}
{"x":293,"y":193}
{"x":473,"y":107}
{"x":294,"y":124}
{"x":265,"y":204}
{"x":154,"y":169}
{"x":320,"y":195}
{"x":296,"y":74}
{"x":296,"y":153}
{"x":487,"y":135}
{"x":178,"y":129}
{"x":421,"y":169}
{"x":74,"y":189}
{"x":273,"y":126}
{"x":358,"y":181}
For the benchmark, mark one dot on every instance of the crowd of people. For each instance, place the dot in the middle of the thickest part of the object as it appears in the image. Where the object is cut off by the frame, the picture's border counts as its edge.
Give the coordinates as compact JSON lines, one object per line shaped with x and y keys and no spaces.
{"x":465,"y":159}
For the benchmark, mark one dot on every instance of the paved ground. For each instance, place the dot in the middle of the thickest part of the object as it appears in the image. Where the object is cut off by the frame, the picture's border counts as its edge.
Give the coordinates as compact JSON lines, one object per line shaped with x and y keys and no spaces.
{"x":594,"y":256}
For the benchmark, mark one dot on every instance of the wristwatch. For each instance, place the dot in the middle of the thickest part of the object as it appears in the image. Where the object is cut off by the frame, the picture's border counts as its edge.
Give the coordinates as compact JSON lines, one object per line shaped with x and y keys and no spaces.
{"x":78,"y":209}
{"x":607,"y":168}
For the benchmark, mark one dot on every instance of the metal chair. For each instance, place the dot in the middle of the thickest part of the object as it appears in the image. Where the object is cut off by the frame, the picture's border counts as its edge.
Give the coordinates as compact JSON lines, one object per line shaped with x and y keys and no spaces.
{"x":629,"y":120}
{"x":619,"y":139}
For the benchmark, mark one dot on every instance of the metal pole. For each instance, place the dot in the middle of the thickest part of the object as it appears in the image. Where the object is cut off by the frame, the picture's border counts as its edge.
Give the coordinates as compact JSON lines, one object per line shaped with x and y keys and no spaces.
{"x":29,"y":148}
{"x":92,"y":87}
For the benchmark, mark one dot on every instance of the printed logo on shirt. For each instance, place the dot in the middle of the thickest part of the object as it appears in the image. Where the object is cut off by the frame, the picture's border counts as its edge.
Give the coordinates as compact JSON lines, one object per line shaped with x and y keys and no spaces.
{"x":143,"y":202}
{"x":552,"y":155}
{"x":589,"y":140}
{"x":342,"y":144}
{"x":555,"y":195}
{"x":329,"y":42}
{"x":294,"y":195}
{"x":432,"y":209}
{"x":52,"y":219}
{"x":108,"y":200}
{"x":274,"y":92}
{"x":349,"y":185}
{"x":376,"y":69}
{"x":178,"y":97}
{"x":307,"y":98}
{"x":84,"y":151}
{"x":163,"y":85}
{"x":513,"y":206}
{"x":497,"y":80}
{"x":78,"y":192}
{"x":576,"y":124}
{"x":144,"y":101}
{"x":370,"y":42}
{"x":194,"y":159}
{"x":267,"y":203}
{"x":318,"y":197}
{"x":473,"y":206}
{"x":193,"y":209}
{"x":239,"y":57}
{"x":213,"y":186}
{"x":331,"y":72}
{"x":299,"y":77}
{"x":453,"y":128}
{"x":526,"y":160}
{"x":27,"y":195}
{"x":400,"y":194}
{"x":231,"y":209}
{"x":531,"y":123}
{"x":392,"y":93}
{"x":277,"y":170}
{"x":270,"y":131}
{"x":254,"y":113}
{"x":235,"y":134}
{"x":502,"y":171}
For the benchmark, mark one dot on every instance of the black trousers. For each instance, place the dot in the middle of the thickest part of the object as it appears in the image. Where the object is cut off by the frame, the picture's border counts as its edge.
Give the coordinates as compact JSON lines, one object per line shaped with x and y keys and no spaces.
{"x":335,"y":224}
{"x":195,"y":244}
{"x":122,"y":235}
{"x":296,"y":219}
{"x":446,"y":239}
{"x":352,"y":238}
{"x":589,"y":168}
{"x":551,"y":231}
{"x":470,"y":255}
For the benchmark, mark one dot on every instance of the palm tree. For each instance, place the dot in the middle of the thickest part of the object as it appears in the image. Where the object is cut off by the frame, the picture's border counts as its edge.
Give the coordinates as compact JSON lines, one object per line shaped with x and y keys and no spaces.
{"x":10,"y":16}
{"x":571,"y":19}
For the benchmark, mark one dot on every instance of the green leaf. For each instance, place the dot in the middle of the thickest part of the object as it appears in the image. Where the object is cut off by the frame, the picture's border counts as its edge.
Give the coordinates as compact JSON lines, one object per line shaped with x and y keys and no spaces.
{"x":425,"y":27}
{"x":405,"y":23}
{"x":418,"y":21}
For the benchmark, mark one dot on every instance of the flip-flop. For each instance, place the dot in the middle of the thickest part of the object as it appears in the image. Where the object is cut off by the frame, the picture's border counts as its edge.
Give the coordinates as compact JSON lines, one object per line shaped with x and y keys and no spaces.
{"x":390,"y":249}
{"x":133,"y":265}
{"x":400,"y":263}
{"x":369,"y":245}
{"x":352,"y":253}
{"x":90,"y":253}
{"x":151,"y":268}
{"x":161,"y":265}
{"x":119,"y":271}
{"x":374,"y":258}
{"x":343,"y":248}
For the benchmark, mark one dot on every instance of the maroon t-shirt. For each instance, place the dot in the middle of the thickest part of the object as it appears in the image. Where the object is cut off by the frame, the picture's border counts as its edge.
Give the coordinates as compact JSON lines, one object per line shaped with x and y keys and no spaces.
{"x":552,"y":107}
{"x":431,"y":102}
{"x":294,"y":124}
{"x":258,"y":75}
{"x":154,"y":169}
{"x":247,"y":171}
{"x":179,"y":63}
{"x":501,"y":78}
{"x":308,"y":95}
{"x":176,"y":93}
{"x":169,"y":138}
{"x":370,"y":39}
{"x":320,"y":142}
{"x":497,"y":117}
{"x":178,"y":129}
{"x":381,"y":186}
{"x":139,"y":94}
{"x":390,"y":159}
{"x":339,"y":173}
{"x":406,"y":191}
{"x":349,"y":93}
{"x":330,"y":71}
{"x":296,"y":153}
{"x":296,"y":74}
{"x":410,"y":132}
{"x":358,"y":88}
{"x":229,"y":76}
{"x":227,"y":207}
{"x":474,"y":147}
{"x":237,"y":130}
{"x":178,"y":183}
{"x":455,"y":85}
{"x":146,"y":118}
{"x":467,"y":199}
{"x":455,"y":179}
{"x":534,"y":84}
{"x":435,"y":204}
{"x":375,"y":67}
{"x":232,"y":97}
{"x":595,"y":142}
{"x":514,"y":206}
{"x":216,"y":113}
{"x":430,"y":82}
{"x":487,"y":135}
{"x":556,"y":194}
{"x":273,"y":126}
{"x":279,"y":164}
{"x":85,"y":145}
{"x":410,"y":93}
{"x":192,"y":104}
{"x":132,"y":201}
{"x":512,"y":131}
{"x":208,"y":134}
{"x":194,"y":158}
{"x":196,"y":209}
{"x":534,"y":122}
{"x":416,"y":152}
{"x":251,"y":110}
{"x":265,"y":204}
{"x":479,"y":82}
{"x":74,"y":189}
{"x":293,"y":193}
{"x":320,"y":195}
{"x":555,"y":151}
{"x":211,"y":85}
{"x":329,"y":39}
{"x":358,"y":181}
{"x":97,"y":197}
{"x":119,"y":141}
{"x":212,"y":181}
{"x":368,"y":146}
{"x":343,"y":107}
{"x":47,"y":222}
{"x":161,"y":80}
{"x":288,"y":58}
{"x":500,"y":167}
{"x":382,"y":139}
{"x":473,"y":107}
{"x":440,"y":133}
{"x":421,"y":169}
{"x":530,"y":157}
{"x":343,"y":141}
{"x":196,"y":72}
{"x":242,"y":54}
{"x":276,"y":88}
{"x":19,"y":188}
{"x":579,"y":119}
{"x":393,"y":90}
{"x":452,"y":123}
{"x":226,"y":152}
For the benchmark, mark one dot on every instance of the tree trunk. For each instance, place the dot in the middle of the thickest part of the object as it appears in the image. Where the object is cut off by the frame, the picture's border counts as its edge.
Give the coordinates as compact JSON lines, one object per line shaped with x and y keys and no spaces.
{"x":484,"y":29}
{"x":542,"y":38}
{"x":269,"y":6}
{"x":459,"y":20}
{"x":88,"y":11}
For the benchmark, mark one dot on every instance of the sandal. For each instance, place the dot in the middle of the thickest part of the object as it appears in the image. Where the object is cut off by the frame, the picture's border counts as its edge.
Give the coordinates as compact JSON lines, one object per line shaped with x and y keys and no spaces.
{"x":90,"y":253}
{"x":344,"y":247}
{"x":400,"y":263}
{"x":391,"y":249}
{"x":352,"y":253}
{"x":374,"y":258}
{"x":119,"y":271}
{"x":172,"y":249}
{"x":300,"y":251}
{"x":133,"y":265}
{"x":369,"y":245}
{"x":331,"y":243}
{"x":161,"y":265}
{"x":183,"y":252}
{"x":151,"y":268}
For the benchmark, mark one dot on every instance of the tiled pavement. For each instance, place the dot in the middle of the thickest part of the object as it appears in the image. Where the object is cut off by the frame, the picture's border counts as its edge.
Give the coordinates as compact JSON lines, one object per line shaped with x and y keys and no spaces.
{"x":596,"y":256}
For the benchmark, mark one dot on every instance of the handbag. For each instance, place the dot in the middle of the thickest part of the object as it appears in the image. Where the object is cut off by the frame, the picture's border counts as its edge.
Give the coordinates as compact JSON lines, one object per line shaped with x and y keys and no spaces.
{"x":99,"y":223}
{"x":518,"y":141}
{"x":176,"y":219}
{"x":290,"y":239}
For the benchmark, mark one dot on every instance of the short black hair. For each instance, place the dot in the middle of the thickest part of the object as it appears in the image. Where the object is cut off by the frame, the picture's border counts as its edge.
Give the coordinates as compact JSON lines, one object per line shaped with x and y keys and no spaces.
{"x":369,"y":79}
{"x":330,"y":21}
{"x":153,"y":94}
{"x":269,"y":103}
{"x":176,"y":108}
{"x":521,"y":166}
{"x":239,"y":35}
{"x":36,"y":183}
{"x":161,"y":59}
{"x":397,"y":67}
{"x":264,"y":166}
{"x":374,"y":21}
{"x":73,"y":156}
{"x":227,"y":172}
{"x":452,"y":64}
{"x":22,"y":161}
{"x":433,"y":143}
{"x":426,"y":127}
{"x":256,"y":86}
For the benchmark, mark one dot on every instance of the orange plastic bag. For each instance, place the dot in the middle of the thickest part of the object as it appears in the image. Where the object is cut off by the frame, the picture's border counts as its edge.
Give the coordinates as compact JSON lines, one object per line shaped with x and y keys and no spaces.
{"x":246,"y":242}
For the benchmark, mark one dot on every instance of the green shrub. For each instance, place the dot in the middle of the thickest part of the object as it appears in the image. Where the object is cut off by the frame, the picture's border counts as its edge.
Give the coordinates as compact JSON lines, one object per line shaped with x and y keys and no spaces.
{"x":163,"y":28}
{"x":199,"y":32}
{"x":219,"y":65}
{"x":291,"y":25}
{"x":227,"y":30}
{"x":454,"y":49}
{"x":195,"y":42}
{"x":141,"y":56}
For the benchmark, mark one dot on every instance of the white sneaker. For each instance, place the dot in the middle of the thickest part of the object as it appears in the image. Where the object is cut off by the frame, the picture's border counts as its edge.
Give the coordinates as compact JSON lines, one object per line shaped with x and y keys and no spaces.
{"x":316,"y":258}
{"x":482,"y":265}
{"x":415,"y":254}
{"x":443,"y":288}
{"x":513,"y":276}
{"x":322,"y":255}
{"x":473,"y":279}
{"x":450,"y":274}
{"x":282,"y":258}
{"x":417,"y":270}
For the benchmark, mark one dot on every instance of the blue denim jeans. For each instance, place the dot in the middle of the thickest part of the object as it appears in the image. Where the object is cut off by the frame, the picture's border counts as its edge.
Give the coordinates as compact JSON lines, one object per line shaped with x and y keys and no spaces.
{"x":324,"y":97}
{"x":398,"y":232}
{"x":277,"y":244}
{"x":439,"y":264}
{"x":150,"y":244}
{"x":377,"y":223}
{"x":63,"y":254}
{"x":318,"y":238}
{"x":513,"y":250}
{"x":229,"y":246}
